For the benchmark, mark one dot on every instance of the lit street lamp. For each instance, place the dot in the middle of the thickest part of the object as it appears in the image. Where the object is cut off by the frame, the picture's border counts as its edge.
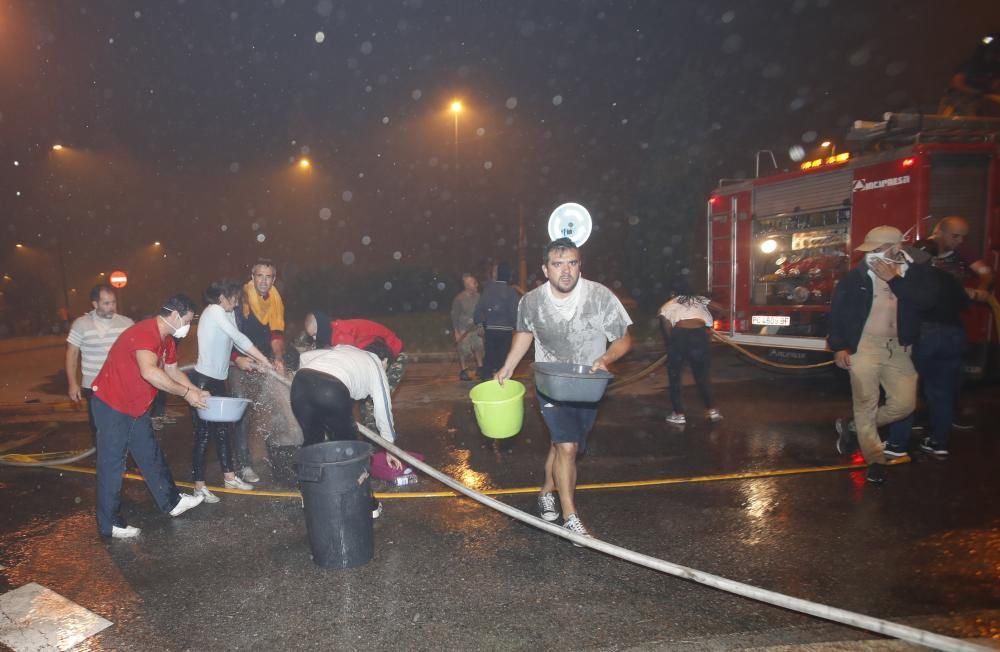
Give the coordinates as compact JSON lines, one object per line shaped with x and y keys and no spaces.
{"x":456,"y":108}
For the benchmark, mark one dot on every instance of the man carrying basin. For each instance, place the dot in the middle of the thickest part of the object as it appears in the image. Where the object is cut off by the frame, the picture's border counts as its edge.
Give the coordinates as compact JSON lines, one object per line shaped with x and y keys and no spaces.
{"x":572,"y":320}
{"x":141,"y":361}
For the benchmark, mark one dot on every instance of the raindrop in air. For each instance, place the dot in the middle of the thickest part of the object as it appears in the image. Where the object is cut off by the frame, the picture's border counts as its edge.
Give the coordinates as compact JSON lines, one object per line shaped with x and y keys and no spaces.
{"x":557,"y":100}
{"x":320,"y":37}
{"x":325,"y":214}
{"x":348,"y":258}
{"x":511,"y":103}
{"x":347,"y":195}
{"x":261,"y":237}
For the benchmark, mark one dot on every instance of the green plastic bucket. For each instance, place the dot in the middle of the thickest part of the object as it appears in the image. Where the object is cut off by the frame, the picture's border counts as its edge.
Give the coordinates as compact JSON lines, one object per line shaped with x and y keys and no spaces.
{"x":499,"y":409}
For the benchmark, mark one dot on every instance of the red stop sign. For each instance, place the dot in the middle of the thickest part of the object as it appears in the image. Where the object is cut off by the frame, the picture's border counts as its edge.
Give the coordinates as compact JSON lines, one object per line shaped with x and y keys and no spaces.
{"x":118,"y":279}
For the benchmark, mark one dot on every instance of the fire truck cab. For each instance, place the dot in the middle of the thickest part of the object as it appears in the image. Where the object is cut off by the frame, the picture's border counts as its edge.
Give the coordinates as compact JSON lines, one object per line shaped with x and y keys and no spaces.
{"x":777,"y":245}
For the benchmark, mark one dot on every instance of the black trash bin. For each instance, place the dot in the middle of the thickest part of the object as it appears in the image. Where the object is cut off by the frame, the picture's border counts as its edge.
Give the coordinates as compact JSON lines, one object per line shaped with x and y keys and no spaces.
{"x":337,"y":497}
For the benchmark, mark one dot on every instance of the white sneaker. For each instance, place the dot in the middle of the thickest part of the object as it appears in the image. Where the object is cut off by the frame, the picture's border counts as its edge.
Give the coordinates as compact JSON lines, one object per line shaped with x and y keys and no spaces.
{"x":206,"y":495}
{"x":248,"y":474}
{"x":713,"y":415}
{"x":377,"y":511}
{"x":127,"y":532}
{"x":236,"y":483}
{"x":676,"y":418}
{"x":575,"y":525}
{"x":186,"y":502}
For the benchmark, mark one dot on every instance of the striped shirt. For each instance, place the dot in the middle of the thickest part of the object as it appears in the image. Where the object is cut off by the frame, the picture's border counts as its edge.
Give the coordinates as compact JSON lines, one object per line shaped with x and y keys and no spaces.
{"x":94,"y":336}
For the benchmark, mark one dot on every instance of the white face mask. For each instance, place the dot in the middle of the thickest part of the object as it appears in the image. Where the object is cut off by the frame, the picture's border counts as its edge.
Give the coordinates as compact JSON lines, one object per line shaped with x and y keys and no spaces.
{"x":179,"y":333}
{"x":903,"y":260}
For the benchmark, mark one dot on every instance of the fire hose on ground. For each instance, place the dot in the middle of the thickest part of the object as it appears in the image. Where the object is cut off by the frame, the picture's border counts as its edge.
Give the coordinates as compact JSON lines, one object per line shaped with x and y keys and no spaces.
{"x":852,"y":619}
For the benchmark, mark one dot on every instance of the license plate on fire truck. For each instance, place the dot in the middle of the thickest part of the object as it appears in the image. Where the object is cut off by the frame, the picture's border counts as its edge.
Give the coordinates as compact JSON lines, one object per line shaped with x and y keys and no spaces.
{"x":770,"y":320}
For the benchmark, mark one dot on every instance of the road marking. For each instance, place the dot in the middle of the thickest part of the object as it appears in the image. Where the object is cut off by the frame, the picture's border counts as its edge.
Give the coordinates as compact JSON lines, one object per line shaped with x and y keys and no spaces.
{"x":34,"y":618}
{"x":630,"y":484}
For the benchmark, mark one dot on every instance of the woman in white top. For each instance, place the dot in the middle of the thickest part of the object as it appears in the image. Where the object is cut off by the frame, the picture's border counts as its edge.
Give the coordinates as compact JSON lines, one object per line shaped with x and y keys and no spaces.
{"x":327,"y":384}
{"x":687,"y":320}
{"x":217,"y":333}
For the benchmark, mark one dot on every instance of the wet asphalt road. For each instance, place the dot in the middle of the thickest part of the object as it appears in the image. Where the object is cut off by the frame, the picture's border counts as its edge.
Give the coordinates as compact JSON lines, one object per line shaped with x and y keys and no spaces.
{"x":450,"y":574}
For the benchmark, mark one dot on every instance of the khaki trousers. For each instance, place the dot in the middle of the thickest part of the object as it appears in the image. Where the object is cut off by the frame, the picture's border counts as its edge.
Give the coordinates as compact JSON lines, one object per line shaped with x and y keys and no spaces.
{"x":880,"y":361}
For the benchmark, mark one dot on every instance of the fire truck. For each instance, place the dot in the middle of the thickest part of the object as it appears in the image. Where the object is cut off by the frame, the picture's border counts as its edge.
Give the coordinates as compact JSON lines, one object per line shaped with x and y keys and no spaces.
{"x":778,"y":244}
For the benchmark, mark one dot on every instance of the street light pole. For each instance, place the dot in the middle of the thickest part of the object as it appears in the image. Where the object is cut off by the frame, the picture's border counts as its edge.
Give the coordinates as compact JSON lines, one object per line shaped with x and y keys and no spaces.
{"x":62,"y":272}
{"x":456,"y":108}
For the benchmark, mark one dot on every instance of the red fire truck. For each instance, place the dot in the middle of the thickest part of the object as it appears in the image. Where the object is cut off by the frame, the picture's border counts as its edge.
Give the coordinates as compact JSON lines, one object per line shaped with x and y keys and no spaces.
{"x":778,"y":244}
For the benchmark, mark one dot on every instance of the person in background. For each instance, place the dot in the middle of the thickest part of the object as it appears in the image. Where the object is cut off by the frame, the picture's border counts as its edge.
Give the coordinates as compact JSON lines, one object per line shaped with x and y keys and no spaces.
{"x":948,"y":237}
{"x":686,"y":320}
{"x":974,"y":89}
{"x":261,"y":318}
{"x":497,"y":313}
{"x":467,"y":338}
{"x":569,"y":319}
{"x":327,"y":384}
{"x":90,"y":338}
{"x":217,"y":333}
{"x":142,"y":360}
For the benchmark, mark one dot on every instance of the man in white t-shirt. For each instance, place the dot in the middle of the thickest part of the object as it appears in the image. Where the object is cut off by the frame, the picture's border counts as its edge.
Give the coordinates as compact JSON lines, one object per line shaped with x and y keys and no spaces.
{"x":570,"y":319}
{"x":90,"y":338}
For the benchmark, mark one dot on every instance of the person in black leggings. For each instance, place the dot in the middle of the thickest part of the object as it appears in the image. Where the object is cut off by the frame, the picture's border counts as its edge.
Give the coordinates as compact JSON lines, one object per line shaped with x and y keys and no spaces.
{"x":323,"y":406}
{"x":217,"y":334}
{"x":686,"y":320}
{"x":327,"y":384}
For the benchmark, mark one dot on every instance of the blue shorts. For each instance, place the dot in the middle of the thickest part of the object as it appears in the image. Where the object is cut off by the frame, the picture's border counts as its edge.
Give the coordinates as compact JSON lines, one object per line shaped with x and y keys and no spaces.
{"x":568,"y":423}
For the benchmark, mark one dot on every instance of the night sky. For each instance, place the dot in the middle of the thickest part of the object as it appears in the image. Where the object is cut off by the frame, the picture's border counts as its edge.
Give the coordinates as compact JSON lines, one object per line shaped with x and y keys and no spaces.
{"x":183,"y":122}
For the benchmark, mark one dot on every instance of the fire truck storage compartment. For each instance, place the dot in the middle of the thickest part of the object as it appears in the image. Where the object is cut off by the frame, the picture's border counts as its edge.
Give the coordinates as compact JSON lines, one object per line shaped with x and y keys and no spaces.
{"x":800,"y":236}
{"x":959,"y":186}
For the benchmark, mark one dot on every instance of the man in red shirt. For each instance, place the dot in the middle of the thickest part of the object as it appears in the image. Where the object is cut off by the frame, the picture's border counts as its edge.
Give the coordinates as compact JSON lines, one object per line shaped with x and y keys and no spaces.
{"x":142,"y":360}
{"x":360,"y":333}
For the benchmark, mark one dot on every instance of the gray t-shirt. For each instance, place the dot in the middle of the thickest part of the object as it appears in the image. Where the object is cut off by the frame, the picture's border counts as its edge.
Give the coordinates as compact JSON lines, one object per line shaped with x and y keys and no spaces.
{"x":576,"y":329}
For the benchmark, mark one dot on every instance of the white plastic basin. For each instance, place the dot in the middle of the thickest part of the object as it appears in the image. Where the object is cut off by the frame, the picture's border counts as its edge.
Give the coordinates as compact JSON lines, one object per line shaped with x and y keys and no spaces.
{"x":224,"y":408}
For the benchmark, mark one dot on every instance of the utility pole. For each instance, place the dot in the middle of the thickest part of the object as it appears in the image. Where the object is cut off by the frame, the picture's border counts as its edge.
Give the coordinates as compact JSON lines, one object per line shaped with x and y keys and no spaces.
{"x":522,"y":246}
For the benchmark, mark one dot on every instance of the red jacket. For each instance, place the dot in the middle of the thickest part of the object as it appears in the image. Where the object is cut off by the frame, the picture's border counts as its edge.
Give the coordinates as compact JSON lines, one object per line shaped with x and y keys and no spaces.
{"x":361,"y":333}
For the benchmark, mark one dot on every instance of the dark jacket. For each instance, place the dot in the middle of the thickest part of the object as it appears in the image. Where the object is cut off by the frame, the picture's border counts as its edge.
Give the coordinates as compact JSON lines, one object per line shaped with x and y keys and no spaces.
{"x":497,"y":307}
{"x":951,"y":301}
{"x":852,"y":301}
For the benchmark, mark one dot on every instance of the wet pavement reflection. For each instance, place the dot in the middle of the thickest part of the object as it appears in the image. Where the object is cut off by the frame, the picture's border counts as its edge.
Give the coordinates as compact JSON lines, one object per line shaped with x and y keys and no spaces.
{"x":449,"y":573}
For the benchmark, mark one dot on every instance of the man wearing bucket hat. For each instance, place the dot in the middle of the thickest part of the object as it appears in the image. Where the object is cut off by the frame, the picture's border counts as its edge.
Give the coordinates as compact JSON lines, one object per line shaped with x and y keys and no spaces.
{"x":874,"y":322}
{"x":570,"y":319}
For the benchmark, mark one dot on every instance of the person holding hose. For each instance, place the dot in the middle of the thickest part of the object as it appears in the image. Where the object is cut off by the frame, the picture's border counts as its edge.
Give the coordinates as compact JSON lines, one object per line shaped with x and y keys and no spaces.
{"x":217,"y":333}
{"x":327,"y":384}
